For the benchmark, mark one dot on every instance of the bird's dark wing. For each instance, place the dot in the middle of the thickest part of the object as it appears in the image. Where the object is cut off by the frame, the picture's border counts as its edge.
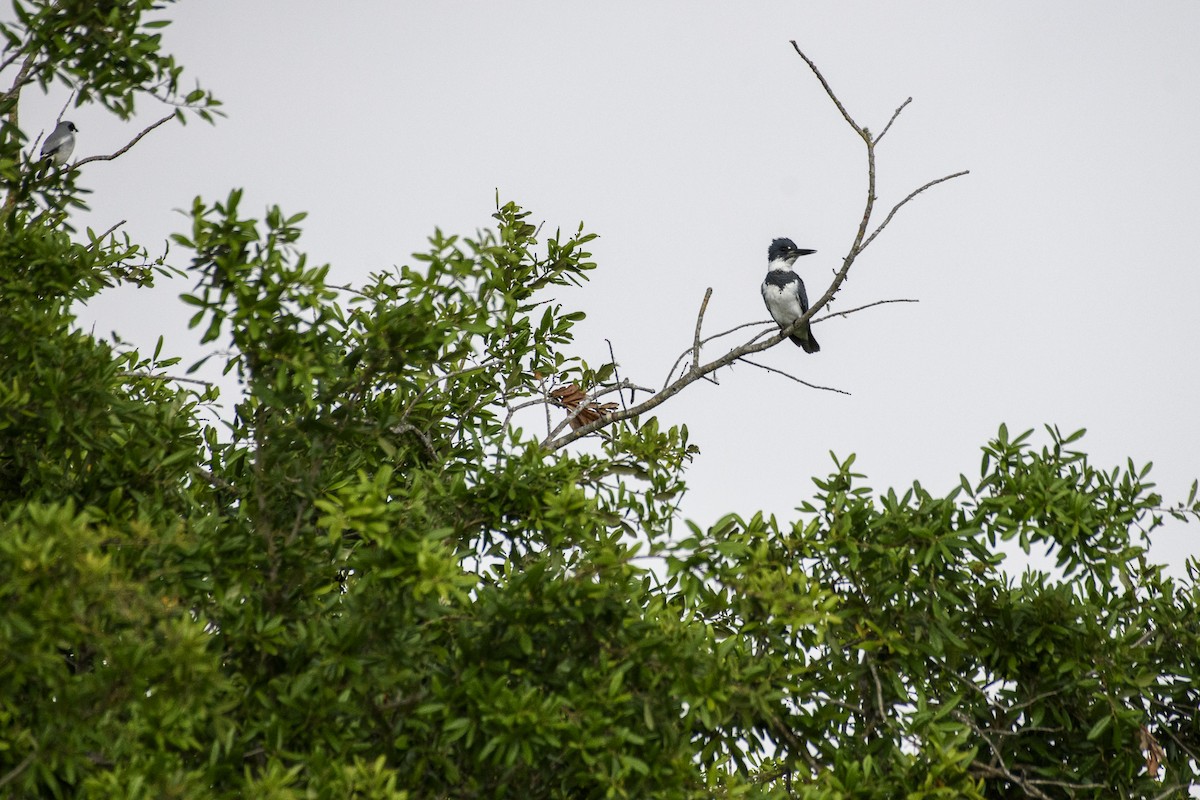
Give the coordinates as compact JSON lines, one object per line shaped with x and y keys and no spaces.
{"x":803,"y":294}
{"x":54,"y":142}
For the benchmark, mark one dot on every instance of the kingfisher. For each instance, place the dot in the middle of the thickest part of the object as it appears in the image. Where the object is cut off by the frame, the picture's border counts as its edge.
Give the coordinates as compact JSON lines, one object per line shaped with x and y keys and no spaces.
{"x":784,"y":294}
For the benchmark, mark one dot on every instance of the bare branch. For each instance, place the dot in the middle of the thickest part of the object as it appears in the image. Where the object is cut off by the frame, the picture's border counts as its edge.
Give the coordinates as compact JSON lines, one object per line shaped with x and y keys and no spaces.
{"x":675,"y":366}
{"x":829,"y":91}
{"x":107,"y":233}
{"x":65,"y":106}
{"x":992,"y":771}
{"x":770,"y":324}
{"x":527,"y":404}
{"x":735,"y":329}
{"x":793,"y":377}
{"x":128,"y":374}
{"x":895,"y":114}
{"x":697,"y":342}
{"x":694,"y":373}
{"x":19,"y":80}
{"x":849,"y":311}
{"x":911,"y":195}
{"x":127,"y":147}
{"x":10,"y":60}
{"x":698,"y":371}
{"x":699,"y":325}
{"x":546,"y":399}
{"x":347,"y":288}
{"x":612,"y":359}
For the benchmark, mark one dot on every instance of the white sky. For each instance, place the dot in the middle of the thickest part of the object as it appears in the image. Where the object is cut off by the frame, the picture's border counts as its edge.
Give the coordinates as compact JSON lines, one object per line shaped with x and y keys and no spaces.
{"x":1057,"y":282}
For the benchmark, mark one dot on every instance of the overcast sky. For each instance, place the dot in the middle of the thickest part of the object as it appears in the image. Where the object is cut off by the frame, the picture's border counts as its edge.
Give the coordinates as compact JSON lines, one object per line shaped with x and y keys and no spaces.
{"x":1057,"y":282}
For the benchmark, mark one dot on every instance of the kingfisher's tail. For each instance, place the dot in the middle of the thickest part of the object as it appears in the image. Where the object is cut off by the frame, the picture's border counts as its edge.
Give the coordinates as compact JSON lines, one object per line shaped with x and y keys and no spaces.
{"x":804,"y":339}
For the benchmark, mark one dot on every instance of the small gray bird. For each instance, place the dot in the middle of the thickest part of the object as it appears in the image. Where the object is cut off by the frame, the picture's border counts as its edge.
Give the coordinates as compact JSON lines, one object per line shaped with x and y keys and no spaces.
{"x":60,"y":144}
{"x":784,"y":294}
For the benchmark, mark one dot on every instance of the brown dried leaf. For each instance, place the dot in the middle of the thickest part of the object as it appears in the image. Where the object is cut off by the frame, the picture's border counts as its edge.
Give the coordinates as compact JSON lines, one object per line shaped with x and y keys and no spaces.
{"x":571,"y":397}
{"x":1155,"y":757}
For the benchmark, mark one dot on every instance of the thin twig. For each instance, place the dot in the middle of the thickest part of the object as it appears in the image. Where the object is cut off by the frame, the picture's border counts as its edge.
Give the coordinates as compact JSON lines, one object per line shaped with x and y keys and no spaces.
{"x":829,"y":91}
{"x":699,"y":325}
{"x":20,"y":79}
{"x":348,"y":288}
{"x":911,"y":195}
{"x":63,"y":110}
{"x":848,"y":311}
{"x":549,"y":401}
{"x":675,"y":366}
{"x":424,"y":437}
{"x":695,"y":349}
{"x":1002,"y":770}
{"x":612,"y":359}
{"x":107,"y":233}
{"x":126,"y":148}
{"x":449,"y":375}
{"x":131,"y":374}
{"x":793,"y":377}
{"x":895,"y":114}
{"x":545,"y":399}
{"x":8,"y":62}
{"x":737,"y":328}
{"x":215,"y":482}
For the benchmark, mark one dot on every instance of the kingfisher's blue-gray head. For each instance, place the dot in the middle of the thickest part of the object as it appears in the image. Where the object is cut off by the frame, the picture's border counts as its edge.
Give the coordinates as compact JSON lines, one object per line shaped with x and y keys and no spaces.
{"x":786,"y":250}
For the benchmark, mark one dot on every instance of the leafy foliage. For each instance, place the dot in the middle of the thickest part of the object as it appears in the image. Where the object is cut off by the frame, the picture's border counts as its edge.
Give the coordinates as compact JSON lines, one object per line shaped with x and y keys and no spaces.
{"x":369,"y":579}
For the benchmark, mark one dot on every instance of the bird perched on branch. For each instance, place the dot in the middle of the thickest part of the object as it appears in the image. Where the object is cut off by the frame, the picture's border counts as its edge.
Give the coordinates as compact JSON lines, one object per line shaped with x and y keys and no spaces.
{"x":784,"y":294}
{"x":60,"y":144}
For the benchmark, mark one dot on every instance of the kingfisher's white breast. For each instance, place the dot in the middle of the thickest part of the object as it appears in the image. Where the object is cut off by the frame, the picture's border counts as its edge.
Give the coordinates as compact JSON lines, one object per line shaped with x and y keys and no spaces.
{"x":783,"y":302}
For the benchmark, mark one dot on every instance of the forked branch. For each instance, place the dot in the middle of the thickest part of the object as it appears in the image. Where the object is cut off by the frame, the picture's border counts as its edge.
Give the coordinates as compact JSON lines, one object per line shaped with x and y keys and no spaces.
{"x":861,"y":241}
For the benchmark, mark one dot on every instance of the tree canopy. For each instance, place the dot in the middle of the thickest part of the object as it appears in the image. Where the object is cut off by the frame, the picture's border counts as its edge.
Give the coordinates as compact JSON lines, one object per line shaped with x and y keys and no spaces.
{"x":369,"y":579}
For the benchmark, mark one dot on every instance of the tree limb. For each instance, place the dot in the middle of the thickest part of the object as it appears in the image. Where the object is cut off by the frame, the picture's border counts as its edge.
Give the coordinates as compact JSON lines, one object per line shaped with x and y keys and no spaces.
{"x":106,"y":234}
{"x":849,"y":311}
{"x":156,"y":377}
{"x":793,"y":377}
{"x":589,"y":403}
{"x":697,"y":371}
{"x":755,"y":324}
{"x":700,"y":324}
{"x":127,"y":147}
{"x":895,"y":114}
{"x":911,"y":195}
